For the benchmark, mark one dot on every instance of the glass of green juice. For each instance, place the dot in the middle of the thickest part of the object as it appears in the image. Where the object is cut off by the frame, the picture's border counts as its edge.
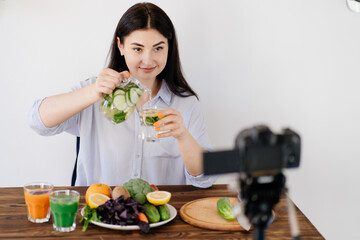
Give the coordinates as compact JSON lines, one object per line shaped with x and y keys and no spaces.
{"x":64,"y":205}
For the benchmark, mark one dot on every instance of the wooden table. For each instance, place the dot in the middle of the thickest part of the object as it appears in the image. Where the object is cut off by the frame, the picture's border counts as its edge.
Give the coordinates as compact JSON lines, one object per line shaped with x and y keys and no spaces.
{"x":14,"y":223}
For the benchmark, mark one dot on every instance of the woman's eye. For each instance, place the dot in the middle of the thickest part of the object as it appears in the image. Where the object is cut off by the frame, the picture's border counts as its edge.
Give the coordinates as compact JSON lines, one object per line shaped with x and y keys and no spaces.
{"x":158,"y":49}
{"x":137,"y":49}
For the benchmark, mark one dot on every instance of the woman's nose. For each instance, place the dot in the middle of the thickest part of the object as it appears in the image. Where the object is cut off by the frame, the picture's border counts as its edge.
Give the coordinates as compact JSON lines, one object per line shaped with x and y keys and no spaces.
{"x":147,"y":57}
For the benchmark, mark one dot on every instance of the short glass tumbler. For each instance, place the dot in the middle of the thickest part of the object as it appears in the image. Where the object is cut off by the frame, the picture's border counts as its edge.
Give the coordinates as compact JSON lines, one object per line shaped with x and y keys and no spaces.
{"x":64,"y":205}
{"x":147,"y":118}
{"x":37,"y":201}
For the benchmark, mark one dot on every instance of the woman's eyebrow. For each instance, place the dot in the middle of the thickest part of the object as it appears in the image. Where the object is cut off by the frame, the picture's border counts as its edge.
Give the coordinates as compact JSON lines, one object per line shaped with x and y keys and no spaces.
{"x":161,"y":42}
{"x":140,"y":45}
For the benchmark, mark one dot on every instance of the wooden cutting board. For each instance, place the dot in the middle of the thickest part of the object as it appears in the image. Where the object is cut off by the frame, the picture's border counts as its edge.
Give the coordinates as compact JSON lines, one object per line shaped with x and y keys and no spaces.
{"x":203,"y":213}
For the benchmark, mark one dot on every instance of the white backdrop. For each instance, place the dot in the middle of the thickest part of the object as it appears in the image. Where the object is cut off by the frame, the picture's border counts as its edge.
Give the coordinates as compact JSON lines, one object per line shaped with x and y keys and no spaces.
{"x":284,"y":63}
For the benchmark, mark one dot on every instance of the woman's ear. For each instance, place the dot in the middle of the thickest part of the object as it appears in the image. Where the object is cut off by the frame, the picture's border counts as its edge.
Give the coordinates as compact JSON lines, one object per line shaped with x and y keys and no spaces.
{"x":120,"y":46}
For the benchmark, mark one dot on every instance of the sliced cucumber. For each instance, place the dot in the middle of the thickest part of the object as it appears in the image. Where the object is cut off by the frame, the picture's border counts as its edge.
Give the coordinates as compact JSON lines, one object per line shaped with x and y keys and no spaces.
{"x":133,"y":96}
{"x":139,"y":91}
{"x":119,"y":102}
{"x":119,"y":91}
{"x":127,"y":98}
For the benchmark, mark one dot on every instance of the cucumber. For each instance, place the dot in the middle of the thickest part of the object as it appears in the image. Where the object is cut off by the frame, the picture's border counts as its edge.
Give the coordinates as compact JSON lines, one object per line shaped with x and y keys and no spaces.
{"x":127,"y":99}
{"x":139,"y":91}
{"x":119,"y":102}
{"x":119,"y":91}
{"x":225,"y":209}
{"x":133,"y":96}
{"x":152,"y":213}
{"x":164,"y":212}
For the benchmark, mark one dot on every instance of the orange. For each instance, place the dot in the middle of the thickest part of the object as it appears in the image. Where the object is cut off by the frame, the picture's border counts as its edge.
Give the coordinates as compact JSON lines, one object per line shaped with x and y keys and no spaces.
{"x":97,"y":188}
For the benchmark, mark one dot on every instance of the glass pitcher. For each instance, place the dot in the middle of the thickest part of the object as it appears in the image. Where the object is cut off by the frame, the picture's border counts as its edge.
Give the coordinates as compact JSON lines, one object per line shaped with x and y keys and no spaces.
{"x":120,"y":104}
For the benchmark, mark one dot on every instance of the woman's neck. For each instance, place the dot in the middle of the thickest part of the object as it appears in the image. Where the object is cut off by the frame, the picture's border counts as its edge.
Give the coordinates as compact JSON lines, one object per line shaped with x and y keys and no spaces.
{"x":155,"y":88}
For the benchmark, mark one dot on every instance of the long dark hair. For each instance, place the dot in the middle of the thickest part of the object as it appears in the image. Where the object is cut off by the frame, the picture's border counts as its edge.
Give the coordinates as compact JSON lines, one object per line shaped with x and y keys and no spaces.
{"x":148,"y":15}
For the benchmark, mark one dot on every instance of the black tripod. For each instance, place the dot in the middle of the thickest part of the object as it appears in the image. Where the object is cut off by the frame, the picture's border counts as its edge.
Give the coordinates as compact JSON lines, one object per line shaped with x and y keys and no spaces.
{"x":259,"y":196}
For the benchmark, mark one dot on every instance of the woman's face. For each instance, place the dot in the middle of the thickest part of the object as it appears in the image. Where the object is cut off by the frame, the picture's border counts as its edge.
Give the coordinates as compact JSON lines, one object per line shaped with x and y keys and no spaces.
{"x":145,"y":53}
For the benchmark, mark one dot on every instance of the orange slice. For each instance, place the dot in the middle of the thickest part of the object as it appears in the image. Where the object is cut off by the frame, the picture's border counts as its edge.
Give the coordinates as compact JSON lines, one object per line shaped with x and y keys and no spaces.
{"x":97,"y":199}
{"x":158,"y":197}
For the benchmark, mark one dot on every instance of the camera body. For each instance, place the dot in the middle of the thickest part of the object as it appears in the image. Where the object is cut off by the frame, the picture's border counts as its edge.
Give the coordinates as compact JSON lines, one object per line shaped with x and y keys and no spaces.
{"x":257,"y":151}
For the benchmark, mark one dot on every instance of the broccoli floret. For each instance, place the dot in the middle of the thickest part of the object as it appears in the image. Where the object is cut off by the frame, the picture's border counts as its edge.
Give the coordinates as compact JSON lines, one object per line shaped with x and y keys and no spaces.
{"x":138,"y":189}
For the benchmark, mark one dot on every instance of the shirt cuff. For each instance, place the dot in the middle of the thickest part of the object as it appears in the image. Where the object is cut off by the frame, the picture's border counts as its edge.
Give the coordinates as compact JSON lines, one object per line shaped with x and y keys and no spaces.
{"x":201,"y":180}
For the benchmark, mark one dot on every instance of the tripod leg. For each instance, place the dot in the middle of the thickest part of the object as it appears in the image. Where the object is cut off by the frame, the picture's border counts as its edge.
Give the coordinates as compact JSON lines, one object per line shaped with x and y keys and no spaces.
{"x":294,"y":227}
{"x":259,"y":233}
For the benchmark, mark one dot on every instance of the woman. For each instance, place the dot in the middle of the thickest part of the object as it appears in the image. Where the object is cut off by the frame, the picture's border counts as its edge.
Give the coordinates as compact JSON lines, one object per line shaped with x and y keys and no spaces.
{"x":145,"y":46}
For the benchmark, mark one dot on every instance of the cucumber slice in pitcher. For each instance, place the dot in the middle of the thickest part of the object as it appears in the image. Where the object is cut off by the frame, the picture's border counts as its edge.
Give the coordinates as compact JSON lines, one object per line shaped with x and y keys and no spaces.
{"x":127,"y":99}
{"x":119,"y":91}
{"x":139,"y":91}
{"x":119,"y":102}
{"x":133,"y":96}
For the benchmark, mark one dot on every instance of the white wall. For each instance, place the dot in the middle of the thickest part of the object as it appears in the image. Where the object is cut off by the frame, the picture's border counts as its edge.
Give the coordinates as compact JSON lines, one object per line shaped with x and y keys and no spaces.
{"x":280,"y":62}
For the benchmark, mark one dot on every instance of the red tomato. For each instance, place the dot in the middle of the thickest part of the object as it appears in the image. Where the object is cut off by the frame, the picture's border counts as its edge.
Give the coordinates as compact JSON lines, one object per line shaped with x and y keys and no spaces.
{"x":154,"y":187}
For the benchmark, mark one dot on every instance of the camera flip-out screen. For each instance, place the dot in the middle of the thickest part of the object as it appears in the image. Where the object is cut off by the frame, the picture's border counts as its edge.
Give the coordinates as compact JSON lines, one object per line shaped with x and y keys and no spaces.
{"x":255,"y":159}
{"x":221,"y":162}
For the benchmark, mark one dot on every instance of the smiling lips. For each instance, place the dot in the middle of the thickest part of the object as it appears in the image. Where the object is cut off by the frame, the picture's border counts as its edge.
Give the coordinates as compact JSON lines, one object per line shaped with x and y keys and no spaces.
{"x":148,"y":70}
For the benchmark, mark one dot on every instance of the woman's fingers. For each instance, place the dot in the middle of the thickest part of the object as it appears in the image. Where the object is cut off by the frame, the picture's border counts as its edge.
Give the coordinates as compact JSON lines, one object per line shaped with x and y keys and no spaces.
{"x":171,"y":122}
{"x":108,"y":79}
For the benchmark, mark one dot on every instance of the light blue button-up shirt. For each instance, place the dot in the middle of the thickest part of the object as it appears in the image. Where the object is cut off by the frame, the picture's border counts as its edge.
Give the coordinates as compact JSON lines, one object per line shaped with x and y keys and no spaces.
{"x":114,"y":153}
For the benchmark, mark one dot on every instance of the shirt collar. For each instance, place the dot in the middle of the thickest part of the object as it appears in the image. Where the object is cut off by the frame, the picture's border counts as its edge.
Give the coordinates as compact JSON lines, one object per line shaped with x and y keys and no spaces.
{"x":164,"y":93}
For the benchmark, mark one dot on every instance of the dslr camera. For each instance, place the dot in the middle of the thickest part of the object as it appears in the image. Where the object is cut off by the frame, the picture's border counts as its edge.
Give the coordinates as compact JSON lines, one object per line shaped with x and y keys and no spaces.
{"x":259,"y":157}
{"x":257,"y":151}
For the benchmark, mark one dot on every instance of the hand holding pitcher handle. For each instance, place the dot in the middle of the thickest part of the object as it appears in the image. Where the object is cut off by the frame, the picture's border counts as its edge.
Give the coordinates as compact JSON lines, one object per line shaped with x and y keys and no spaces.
{"x":107,"y":80}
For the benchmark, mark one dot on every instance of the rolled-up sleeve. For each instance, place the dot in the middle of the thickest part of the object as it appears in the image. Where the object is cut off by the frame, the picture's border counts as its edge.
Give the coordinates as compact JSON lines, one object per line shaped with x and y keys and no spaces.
{"x":71,"y":125}
{"x":35,"y":122}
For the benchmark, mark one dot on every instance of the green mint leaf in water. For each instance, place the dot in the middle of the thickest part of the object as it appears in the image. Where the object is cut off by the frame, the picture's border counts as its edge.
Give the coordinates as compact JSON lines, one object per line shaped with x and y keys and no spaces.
{"x":119,"y":117}
{"x":149,"y":121}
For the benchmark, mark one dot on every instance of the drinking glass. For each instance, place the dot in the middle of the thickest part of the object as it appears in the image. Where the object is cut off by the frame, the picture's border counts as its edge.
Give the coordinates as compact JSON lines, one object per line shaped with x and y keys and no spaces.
{"x":64,"y":205}
{"x":148,"y":118}
{"x":37,"y":201}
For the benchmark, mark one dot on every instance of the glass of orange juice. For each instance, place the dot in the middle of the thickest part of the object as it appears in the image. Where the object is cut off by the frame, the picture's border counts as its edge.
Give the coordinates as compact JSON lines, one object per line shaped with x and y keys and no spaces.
{"x":38,"y":201}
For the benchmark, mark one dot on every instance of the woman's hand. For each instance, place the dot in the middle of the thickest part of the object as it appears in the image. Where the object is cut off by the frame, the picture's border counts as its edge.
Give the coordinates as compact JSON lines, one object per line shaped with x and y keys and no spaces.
{"x":107,"y":80}
{"x":170,"y":121}
{"x":191,"y":152}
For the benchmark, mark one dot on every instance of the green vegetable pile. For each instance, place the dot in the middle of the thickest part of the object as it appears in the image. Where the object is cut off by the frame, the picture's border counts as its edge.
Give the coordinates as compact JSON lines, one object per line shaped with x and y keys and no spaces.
{"x":112,"y":213}
{"x":138,"y":189}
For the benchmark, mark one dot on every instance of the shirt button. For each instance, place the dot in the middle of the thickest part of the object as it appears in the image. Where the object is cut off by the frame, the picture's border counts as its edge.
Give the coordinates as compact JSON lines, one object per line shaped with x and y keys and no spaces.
{"x":135,"y":174}
{"x":137,"y":155}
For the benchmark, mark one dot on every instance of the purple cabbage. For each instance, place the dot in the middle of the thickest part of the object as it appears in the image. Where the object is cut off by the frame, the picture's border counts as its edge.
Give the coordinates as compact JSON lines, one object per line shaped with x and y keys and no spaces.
{"x":122,"y":212}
